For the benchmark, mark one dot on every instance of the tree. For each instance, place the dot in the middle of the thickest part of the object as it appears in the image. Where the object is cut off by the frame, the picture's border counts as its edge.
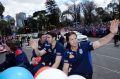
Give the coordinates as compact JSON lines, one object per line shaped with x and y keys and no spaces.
{"x":5,"y":28}
{"x":2,"y":8}
{"x":119,"y":8}
{"x":53,"y":12}
{"x":66,"y":23}
{"x":73,"y":11}
{"x":31,"y":24}
{"x":113,"y":7}
{"x":99,"y":10}
{"x":21,"y":30}
{"x":66,"y":14}
{"x":102,"y":14}
{"x":87,"y":9}
{"x":41,"y":19}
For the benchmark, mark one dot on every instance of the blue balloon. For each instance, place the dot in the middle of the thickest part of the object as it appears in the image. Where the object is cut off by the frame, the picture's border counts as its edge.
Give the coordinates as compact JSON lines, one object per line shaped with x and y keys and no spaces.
{"x":1,"y":76}
{"x":16,"y":73}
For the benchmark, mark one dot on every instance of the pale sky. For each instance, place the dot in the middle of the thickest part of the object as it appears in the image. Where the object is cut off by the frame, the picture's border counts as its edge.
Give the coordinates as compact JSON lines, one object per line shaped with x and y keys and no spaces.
{"x":30,"y":6}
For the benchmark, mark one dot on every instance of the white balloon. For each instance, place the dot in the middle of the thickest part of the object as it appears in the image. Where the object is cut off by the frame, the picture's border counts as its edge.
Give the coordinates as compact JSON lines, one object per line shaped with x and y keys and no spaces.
{"x":76,"y":77}
{"x":52,"y":73}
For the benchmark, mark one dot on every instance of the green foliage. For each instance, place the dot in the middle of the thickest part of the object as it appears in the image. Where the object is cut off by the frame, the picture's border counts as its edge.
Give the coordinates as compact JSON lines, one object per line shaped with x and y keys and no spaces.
{"x":53,"y":12}
{"x":32,"y":24}
{"x":2,"y":8}
{"x":40,"y":20}
{"x":5,"y":28}
{"x":21,"y":30}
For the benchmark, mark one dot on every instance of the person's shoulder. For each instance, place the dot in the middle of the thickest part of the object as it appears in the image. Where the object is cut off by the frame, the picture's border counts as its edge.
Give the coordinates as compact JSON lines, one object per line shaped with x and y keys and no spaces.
{"x":18,"y":52}
{"x":67,"y":51}
{"x":59,"y":44}
{"x":84,"y":43}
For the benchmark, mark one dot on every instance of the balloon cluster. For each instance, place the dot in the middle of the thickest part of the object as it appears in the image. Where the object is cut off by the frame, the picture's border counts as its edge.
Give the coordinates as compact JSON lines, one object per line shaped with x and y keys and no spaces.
{"x":43,"y":73}
{"x":52,"y":73}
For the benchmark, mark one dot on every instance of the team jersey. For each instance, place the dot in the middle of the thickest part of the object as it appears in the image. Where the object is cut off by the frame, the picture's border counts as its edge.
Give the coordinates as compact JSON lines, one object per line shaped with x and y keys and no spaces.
{"x":80,"y":61}
{"x":21,"y":58}
{"x":51,"y":54}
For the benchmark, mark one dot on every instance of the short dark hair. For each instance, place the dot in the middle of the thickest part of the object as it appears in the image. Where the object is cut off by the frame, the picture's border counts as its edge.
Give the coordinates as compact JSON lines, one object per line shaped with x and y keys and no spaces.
{"x":69,"y":34}
{"x":52,"y":34}
{"x":12,"y":44}
{"x":40,"y":35}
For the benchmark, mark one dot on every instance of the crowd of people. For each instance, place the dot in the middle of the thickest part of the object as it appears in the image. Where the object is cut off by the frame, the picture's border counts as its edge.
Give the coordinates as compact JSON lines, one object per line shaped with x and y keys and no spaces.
{"x":93,"y":30}
{"x":66,"y":53}
{"x":98,"y":30}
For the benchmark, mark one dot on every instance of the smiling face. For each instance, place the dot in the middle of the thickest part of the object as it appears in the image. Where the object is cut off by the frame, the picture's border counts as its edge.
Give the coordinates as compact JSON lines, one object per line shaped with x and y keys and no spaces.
{"x":49,"y":38}
{"x":43,"y":38}
{"x":73,"y":40}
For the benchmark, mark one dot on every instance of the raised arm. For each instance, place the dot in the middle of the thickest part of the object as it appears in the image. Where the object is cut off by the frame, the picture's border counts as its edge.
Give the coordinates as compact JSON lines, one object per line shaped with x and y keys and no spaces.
{"x":34,"y":45}
{"x":109,"y":37}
